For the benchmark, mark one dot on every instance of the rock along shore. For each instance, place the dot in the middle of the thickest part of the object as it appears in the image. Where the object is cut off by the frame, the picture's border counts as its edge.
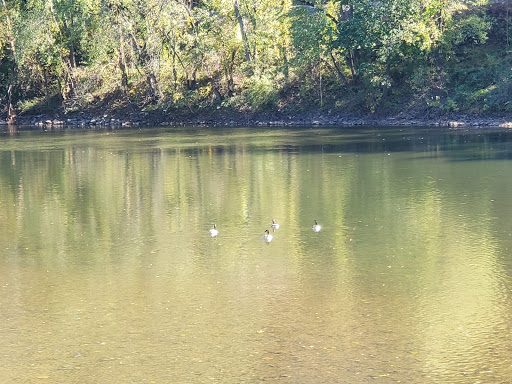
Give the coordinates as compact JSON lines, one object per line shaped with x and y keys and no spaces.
{"x":138,"y":119}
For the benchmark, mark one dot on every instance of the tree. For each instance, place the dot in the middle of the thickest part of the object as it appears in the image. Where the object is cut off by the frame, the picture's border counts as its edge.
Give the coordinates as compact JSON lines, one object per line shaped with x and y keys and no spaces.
{"x":9,"y":54}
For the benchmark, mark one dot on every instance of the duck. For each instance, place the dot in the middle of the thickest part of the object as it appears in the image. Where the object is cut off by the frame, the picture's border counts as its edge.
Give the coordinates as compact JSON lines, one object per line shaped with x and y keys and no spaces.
{"x":274,"y":225}
{"x":316,"y":227}
{"x":268,"y":237}
{"x":213,"y":231}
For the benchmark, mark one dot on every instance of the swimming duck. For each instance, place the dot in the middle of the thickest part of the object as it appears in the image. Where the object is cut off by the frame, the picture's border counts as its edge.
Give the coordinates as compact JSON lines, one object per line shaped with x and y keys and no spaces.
{"x":268,"y":237}
{"x":316,"y":227}
{"x":274,"y":225}
{"x":213,"y":231}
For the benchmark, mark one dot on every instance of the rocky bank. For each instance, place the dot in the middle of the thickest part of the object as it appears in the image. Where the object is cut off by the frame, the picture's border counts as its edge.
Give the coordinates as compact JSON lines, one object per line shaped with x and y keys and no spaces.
{"x":231,"y":118}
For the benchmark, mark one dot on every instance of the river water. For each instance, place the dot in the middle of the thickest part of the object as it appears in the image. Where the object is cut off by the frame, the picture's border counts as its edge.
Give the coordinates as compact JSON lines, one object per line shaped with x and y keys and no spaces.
{"x":108,"y":272}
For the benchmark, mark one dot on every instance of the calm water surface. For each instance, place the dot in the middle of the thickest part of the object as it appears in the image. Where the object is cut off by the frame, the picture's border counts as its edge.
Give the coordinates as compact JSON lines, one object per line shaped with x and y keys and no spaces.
{"x":108,"y":273}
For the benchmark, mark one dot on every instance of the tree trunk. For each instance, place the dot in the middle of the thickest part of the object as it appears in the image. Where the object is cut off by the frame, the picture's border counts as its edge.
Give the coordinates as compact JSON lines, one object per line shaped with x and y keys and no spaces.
{"x":71,"y":46}
{"x":144,"y":60}
{"x":352,"y":63}
{"x":154,"y":92}
{"x":122,"y":63}
{"x":11,"y":113}
{"x":174,"y":71}
{"x":439,"y":59}
{"x":242,"y":31}
{"x":386,"y":88}
{"x":217,"y":97}
{"x":192,"y":82}
{"x":229,"y":74}
{"x":338,"y":70}
{"x":10,"y":110}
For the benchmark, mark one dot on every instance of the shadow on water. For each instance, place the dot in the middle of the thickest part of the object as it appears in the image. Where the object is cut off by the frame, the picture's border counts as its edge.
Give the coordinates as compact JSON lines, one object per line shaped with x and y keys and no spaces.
{"x":425,"y":142}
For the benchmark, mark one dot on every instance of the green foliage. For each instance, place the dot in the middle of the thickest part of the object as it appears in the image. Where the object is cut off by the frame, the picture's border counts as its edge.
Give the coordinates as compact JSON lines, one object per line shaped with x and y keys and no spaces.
{"x":468,"y":30}
{"x":312,"y":33}
{"x":261,"y":93}
{"x":172,"y":54}
{"x":481,"y":79}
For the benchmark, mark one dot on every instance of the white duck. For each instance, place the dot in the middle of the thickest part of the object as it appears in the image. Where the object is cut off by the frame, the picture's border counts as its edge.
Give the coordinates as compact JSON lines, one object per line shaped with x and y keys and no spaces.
{"x":316,"y":227}
{"x":274,"y":225}
{"x":268,"y":237}
{"x":213,"y":231}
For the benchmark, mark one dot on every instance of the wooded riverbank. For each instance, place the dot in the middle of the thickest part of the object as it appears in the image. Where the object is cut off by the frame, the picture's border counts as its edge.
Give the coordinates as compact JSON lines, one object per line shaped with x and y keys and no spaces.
{"x":213,"y":62}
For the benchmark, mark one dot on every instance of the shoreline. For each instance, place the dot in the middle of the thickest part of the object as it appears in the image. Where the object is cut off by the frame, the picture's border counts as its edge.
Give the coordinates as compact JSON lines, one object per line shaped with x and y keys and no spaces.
{"x":237,"y":119}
